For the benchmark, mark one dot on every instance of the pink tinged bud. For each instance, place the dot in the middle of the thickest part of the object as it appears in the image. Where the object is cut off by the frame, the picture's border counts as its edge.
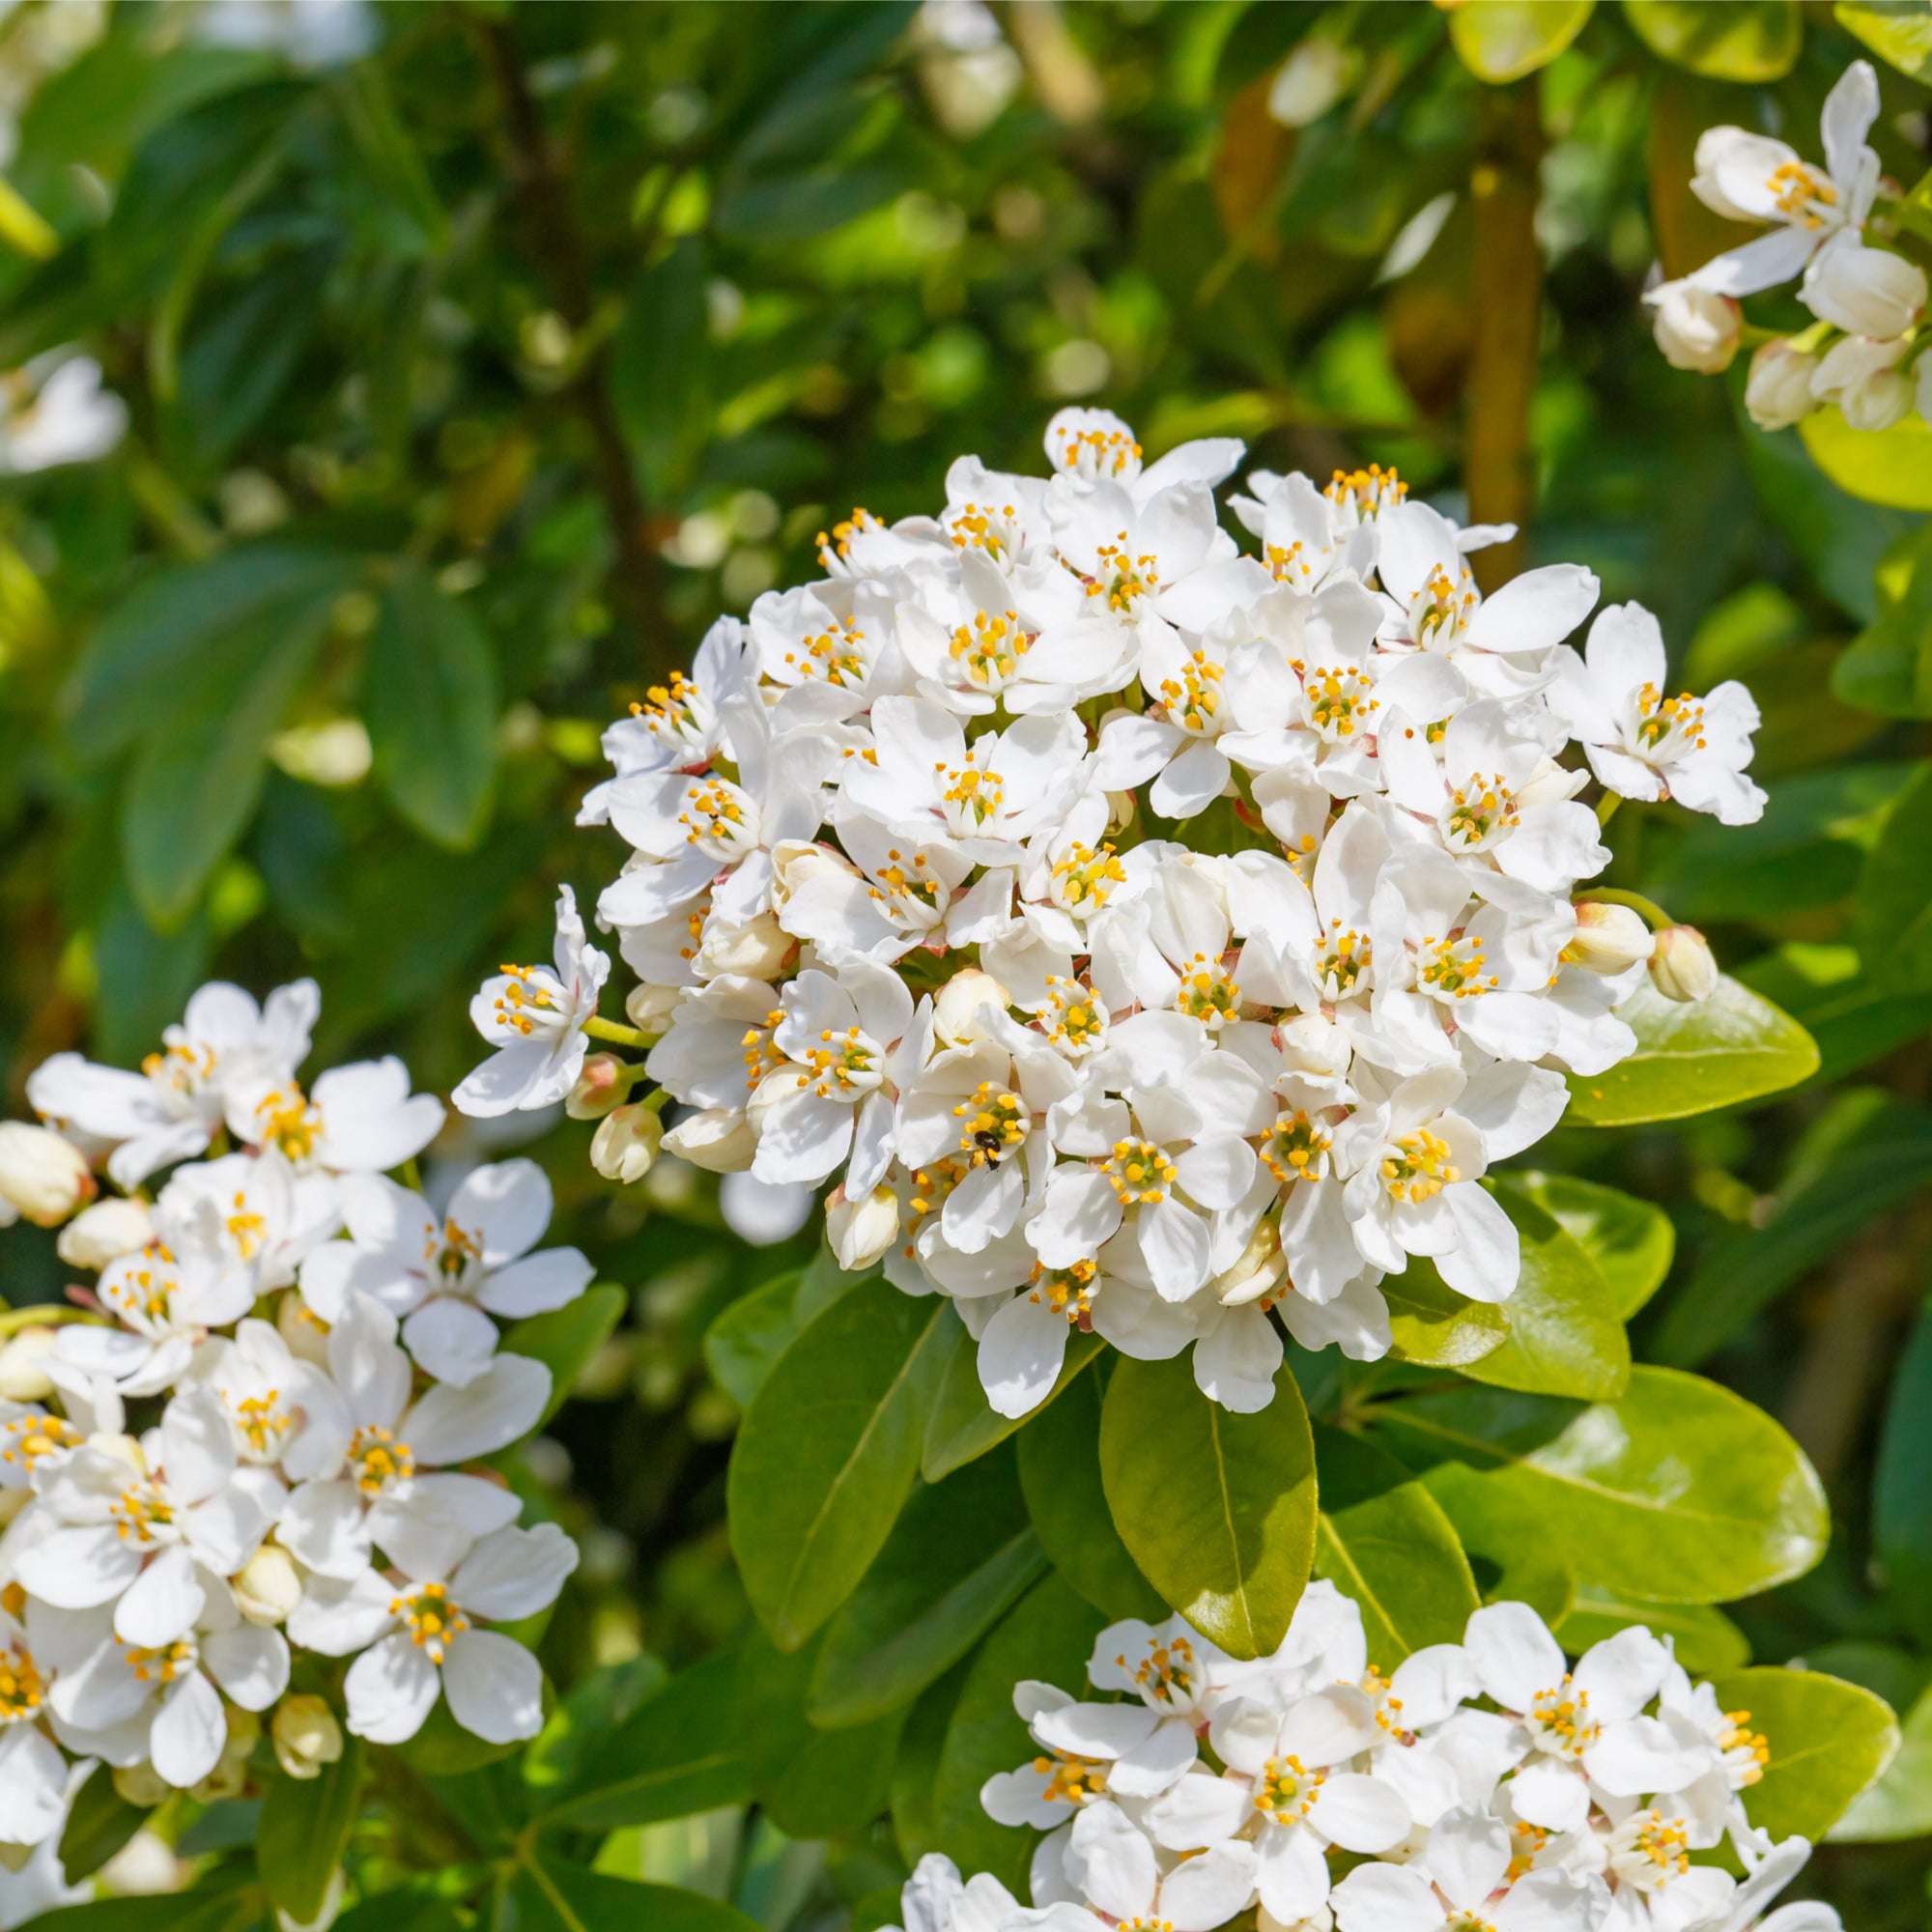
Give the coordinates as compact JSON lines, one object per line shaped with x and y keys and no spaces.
{"x":1683,"y":967}
{"x":859,"y":1232}
{"x":1694,"y":329}
{"x":1609,"y":939}
{"x":42,"y":1175}
{"x":625,"y":1146}
{"x":600,"y":1085}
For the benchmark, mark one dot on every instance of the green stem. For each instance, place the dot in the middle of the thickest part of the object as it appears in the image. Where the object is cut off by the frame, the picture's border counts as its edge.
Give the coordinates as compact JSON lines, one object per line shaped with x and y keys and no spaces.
{"x":46,"y":1314}
{"x":1606,"y":808}
{"x":619,"y":1035}
{"x":1654,"y":915}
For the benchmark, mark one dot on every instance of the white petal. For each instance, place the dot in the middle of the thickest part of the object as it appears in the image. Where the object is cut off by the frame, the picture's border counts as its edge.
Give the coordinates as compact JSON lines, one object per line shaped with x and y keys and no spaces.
{"x":163,"y":1601}
{"x":495,"y":1686}
{"x":1021,"y":1351}
{"x":450,"y":1425}
{"x":452,"y":1339}
{"x":189,"y":1731}
{"x":514,"y":1573}
{"x":391,"y":1689}
{"x":252,"y":1665}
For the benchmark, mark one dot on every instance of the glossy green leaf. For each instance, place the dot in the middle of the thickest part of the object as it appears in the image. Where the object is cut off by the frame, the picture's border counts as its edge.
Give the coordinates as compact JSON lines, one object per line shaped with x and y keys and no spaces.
{"x":1681,"y":1492}
{"x":431,"y":689}
{"x":679,"y":1752}
{"x":1631,"y":1242}
{"x":1898,"y":1804}
{"x":1059,"y":1473}
{"x":1704,"y":1640}
{"x":1233,"y":1561}
{"x":661,"y":366}
{"x":1504,"y":39}
{"x":750,"y":1335}
{"x":304,"y":1831}
{"x":1902,"y":1521}
{"x":1384,"y":1540}
{"x":1894,"y":929}
{"x":412,"y":1907}
{"x":225,"y":1908}
{"x":914,"y":1800}
{"x":829,"y":1449}
{"x":99,"y":1823}
{"x":1693,"y":1057}
{"x":564,"y":1339}
{"x":1899,"y":31}
{"x":1852,"y":1018}
{"x":1724,"y":39}
{"x":960,"y":1555}
{"x":1828,"y":1739}
{"x":1565,"y":1335}
{"x":964,"y":1424}
{"x":1887,"y":669}
{"x":1434,"y":1326}
{"x":1892,"y":466}
{"x":1048,"y":1635}
{"x":815,"y":1783}
{"x":546,"y":1893}
{"x":585,"y":1717}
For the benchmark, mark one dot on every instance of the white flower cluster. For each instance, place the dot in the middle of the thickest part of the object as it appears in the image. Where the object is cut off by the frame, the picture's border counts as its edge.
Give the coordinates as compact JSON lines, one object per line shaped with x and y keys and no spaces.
{"x":1485,"y":1785}
{"x":1864,"y":353}
{"x":901,"y":904}
{"x":250,"y":1441}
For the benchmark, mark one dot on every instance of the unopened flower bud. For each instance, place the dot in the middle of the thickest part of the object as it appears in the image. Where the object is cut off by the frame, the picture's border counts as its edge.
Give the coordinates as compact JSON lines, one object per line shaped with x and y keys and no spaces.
{"x":103,"y":1232}
{"x":1312,"y":1044}
{"x":956,"y":1007}
{"x":1683,"y":967}
{"x":23,"y":1365}
{"x":625,"y":1144}
{"x":306,"y":1736}
{"x":650,"y":1008}
{"x":720,"y":1140}
{"x":1257,"y":1272}
{"x":141,"y":1785}
{"x":269,"y":1586}
{"x":859,"y":1232}
{"x":41,"y":1174}
{"x":304,"y":1330}
{"x":1778,"y":391}
{"x":601,"y":1085}
{"x":229,"y":1777}
{"x":795,"y":861}
{"x":760,"y":949}
{"x":1694,"y":329}
{"x":1609,"y":939}
{"x":1122,"y":805}
{"x":1864,"y":291}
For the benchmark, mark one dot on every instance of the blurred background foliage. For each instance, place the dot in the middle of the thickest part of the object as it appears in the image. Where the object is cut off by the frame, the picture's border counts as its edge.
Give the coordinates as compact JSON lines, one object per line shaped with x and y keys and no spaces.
{"x":460,"y":362}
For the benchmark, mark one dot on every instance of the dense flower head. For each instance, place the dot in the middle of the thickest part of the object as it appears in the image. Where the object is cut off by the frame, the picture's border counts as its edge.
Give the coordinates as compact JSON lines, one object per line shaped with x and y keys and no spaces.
{"x":1151,"y":940}
{"x":1490,"y":1783}
{"x":249,"y":1438}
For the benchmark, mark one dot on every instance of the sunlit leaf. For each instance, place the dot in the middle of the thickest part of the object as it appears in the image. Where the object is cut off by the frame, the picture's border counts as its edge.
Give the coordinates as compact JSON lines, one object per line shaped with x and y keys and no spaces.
{"x":1828,"y":1741}
{"x":1629,"y":1240}
{"x":1504,"y":39}
{"x":1726,"y":40}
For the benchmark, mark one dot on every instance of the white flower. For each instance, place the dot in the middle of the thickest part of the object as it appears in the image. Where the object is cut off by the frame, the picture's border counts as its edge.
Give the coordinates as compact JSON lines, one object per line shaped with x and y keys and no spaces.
{"x":1694,"y":329}
{"x":1753,"y":178}
{"x":1863,"y":378}
{"x":445,"y":1276}
{"x":33,"y":1774}
{"x":357,"y":1119}
{"x":1131,"y":1750}
{"x":176,"y":1103}
{"x":56,"y":410}
{"x":534,"y":1017}
{"x":1865,"y":290}
{"x":1308,"y":533}
{"x":831,"y":647}
{"x":1119,"y":1871}
{"x":1644,"y":743}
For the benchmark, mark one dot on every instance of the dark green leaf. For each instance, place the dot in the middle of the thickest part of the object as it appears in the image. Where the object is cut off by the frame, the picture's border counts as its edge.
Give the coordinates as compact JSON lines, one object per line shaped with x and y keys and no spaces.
{"x":564,"y":1339}
{"x":585,"y":1718}
{"x":389,"y":153}
{"x":443,"y":1748}
{"x":1631,"y":1242}
{"x":964,"y":1424}
{"x":1902,"y":1521}
{"x":1853,"y":1020}
{"x":916,"y":1770}
{"x":100,"y":1822}
{"x":550,"y":1894}
{"x":1894,"y":932}
{"x":661,"y":367}
{"x":1829,"y":1740}
{"x":750,"y":1335}
{"x":304,"y":1831}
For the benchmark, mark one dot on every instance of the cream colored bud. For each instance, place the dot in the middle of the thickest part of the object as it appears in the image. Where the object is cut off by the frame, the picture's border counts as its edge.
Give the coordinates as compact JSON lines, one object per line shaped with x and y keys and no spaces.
{"x":1609,"y":939}
{"x":956,"y":1007}
{"x":602,"y":1085}
{"x":1260,"y":1268}
{"x":23,"y":1365}
{"x":650,"y":1008}
{"x":625,"y":1144}
{"x":1683,"y":967}
{"x":142,"y":1785}
{"x":1779,"y":390}
{"x":269,"y":1586}
{"x":760,"y":949}
{"x":1551,"y":783}
{"x":123,"y":1449}
{"x":1867,"y":291}
{"x":1122,"y":805}
{"x":304,"y":1330}
{"x":42,"y":1175}
{"x":720,"y":1140}
{"x":1312,"y":1044}
{"x":797,"y":861}
{"x":306,"y":1736}
{"x":859,"y":1232}
{"x":103,"y":1232}
{"x":1694,"y":329}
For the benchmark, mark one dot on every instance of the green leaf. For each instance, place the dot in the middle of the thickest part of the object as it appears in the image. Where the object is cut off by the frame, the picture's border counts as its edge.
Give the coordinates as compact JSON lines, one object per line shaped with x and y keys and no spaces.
{"x":304,"y":1831}
{"x":1048,"y":1635}
{"x":916,"y":1770}
{"x":1384,"y":1540}
{"x":1233,"y":1560}
{"x":1892,"y":466}
{"x":1829,"y":1740}
{"x":661,"y":367}
{"x":960,"y":1555}
{"x":1725,"y":40}
{"x":431,"y":691}
{"x":1631,"y":1242}
{"x":1681,"y":1492}
{"x":1885,"y":1160}
{"x":550,"y":1894}
{"x":1059,"y":1473}
{"x":564,"y":1339}
{"x":964,"y":1424}
{"x":1900,"y":1805}
{"x":750,"y":1335}
{"x":389,"y":154}
{"x":1901,"y":1521}
{"x":1894,"y":929}
{"x":234,"y":1907}
{"x":1824,"y":989}
{"x":1887,"y":669}
{"x":829,"y":1449}
{"x":1705,"y":1641}
{"x":1434,"y":1326}
{"x":1899,"y":31}
{"x":1693,"y":1057}
{"x":1504,"y":39}
{"x":1565,"y":1335}
{"x":99,"y":1823}
{"x":815,"y":1783}
{"x":585,"y":1718}
{"x":679,"y":1752}
{"x":408,"y":1908}
{"x":443,"y":1748}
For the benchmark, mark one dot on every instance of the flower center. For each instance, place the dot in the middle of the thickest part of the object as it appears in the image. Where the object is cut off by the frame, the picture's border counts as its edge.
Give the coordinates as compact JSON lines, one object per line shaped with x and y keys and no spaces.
{"x":1122,"y":580}
{"x":1801,"y":192}
{"x":1668,"y":726}
{"x":1193,"y":699}
{"x":972,"y":796}
{"x":1477,"y":813}
{"x":905,"y":894}
{"x":1452,"y":969}
{"x":139,"y":1293}
{"x":1340,"y":701}
{"x":1417,"y":1168}
{"x":762,"y":1051}
{"x":185,"y":1067}
{"x":286,"y":1120}
{"x":378,"y":1462}
{"x":1071,"y":1780}
{"x":456,"y":1256}
{"x":931,"y":1186}
{"x":1296,"y":1149}
{"x":143,"y":1515}
{"x":677,"y":711}
{"x":1367,"y":492}
{"x":833,"y":654}
{"x":431,"y":1618}
{"x":1097,"y":452}
{"x":1289,"y":565}
{"x":28,"y":1437}
{"x":525,"y":1004}
{"x":1075,"y":1020}
{"x":1525,"y":1842}
{"x":1165,"y":1675}
{"x":1648,"y":1850}
{"x":263,"y":1422}
{"x":246,"y":1228}
{"x":1343,"y":961}
{"x":1560,"y":1722}
{"x":21,"y":1689}
{"x":989,"y":649}
{"x":1745,"y":1751}
{"x":719,"y":820}
{"x":1287,"y":1790}
{"x":1068,"y":1292}
{"x":1440,"y":609}
{"x":993,"y":1122}
{"x":841,"y":1066}
{"x":163,"y":1664}
{"x":861,"y":522}
{"x":1084,"y":879}
{"x":1139,"y":1171}
{"x":983,"y":528}
{"x":1207,"y":993}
